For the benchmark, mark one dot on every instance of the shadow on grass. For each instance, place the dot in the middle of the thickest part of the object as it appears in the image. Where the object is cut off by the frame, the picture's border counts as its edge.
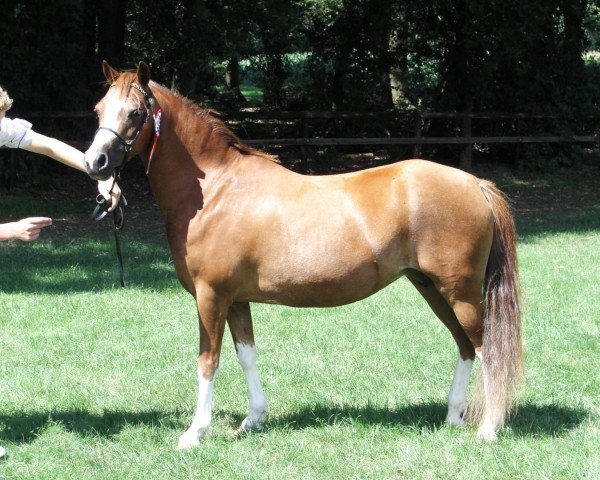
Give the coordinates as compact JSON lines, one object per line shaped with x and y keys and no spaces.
{"x":530,"y":226}
{"x":54,"y":267}
{"x":24,"y":427}
{"x":546,"y":420}
{"x":531,"y":420}
{"x":60,"y":266}
{"x":427,"y":415}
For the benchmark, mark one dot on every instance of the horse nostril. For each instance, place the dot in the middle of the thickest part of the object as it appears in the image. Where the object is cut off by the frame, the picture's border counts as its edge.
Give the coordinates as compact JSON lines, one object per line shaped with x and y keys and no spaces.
{"x":101,"y":162}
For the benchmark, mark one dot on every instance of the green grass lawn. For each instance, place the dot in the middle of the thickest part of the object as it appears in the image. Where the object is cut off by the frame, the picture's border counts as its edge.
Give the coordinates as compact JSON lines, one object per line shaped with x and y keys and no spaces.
{"x":98,"y":381}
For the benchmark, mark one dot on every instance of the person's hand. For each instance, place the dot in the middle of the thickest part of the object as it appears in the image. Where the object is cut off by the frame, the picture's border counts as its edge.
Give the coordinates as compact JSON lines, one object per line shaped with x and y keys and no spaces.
{"x":28,"y":229}
{"x":113,"y":197}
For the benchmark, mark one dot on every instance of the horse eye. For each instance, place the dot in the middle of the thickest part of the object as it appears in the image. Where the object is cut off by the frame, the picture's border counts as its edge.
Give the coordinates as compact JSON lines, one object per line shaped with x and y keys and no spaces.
{"x":135,"y":113}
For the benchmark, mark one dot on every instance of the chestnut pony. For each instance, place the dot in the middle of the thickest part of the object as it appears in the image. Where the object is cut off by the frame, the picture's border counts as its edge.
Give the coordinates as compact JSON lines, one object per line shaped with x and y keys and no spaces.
{"x":242,"y":228}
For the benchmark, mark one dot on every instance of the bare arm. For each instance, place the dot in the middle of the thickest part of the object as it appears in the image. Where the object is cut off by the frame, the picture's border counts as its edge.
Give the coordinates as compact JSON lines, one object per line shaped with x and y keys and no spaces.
{"x":26,"y":229}
{"x":53,"y":148}
{"x":66,"y":154}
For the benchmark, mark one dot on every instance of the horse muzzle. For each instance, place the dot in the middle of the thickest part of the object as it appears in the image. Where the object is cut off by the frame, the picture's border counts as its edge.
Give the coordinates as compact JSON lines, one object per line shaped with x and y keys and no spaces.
{"x":102,"y":157}
{"x":99,"y":164}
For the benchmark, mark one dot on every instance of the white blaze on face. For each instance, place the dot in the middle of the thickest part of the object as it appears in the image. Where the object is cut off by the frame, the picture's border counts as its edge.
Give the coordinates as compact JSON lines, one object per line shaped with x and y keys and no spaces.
{"x":114,"y":111}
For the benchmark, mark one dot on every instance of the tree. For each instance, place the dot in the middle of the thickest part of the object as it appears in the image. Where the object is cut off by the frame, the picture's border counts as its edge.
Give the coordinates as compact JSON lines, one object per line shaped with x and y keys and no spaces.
{"x":277,"y":25}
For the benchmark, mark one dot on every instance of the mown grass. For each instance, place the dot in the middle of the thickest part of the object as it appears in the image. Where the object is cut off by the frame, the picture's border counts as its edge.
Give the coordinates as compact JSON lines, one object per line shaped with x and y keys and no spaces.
{"x":99,"y":381}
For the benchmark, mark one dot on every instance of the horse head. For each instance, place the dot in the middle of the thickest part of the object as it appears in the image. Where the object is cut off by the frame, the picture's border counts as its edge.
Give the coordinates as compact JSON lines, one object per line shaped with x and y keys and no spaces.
{"x":123,"y":127}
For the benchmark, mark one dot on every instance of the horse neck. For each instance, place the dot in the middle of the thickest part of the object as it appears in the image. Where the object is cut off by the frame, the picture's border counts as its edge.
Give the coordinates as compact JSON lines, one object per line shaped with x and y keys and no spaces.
{"x":190,"y":159}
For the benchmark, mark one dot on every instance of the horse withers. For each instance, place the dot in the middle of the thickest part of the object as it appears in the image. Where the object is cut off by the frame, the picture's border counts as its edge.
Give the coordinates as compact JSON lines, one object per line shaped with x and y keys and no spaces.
{"x":242,"y":228}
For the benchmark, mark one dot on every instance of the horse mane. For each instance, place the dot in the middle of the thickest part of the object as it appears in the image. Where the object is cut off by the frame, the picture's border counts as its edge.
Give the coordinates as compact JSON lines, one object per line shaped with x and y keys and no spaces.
{"x":215,"y":124}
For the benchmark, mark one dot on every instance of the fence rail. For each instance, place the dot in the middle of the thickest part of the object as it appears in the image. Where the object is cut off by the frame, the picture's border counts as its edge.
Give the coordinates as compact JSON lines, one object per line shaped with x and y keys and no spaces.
{"x":422,"y":140}
{"x":466,"y":140}
{"x":327,"y":115}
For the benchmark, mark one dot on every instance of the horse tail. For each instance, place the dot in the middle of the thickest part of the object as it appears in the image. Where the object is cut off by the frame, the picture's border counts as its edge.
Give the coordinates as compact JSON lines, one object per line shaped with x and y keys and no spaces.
{"x":502,"y":362}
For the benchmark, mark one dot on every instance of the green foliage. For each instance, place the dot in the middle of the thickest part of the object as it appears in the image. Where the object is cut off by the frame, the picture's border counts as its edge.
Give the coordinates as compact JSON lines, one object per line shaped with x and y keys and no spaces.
{"x":42,"y":56}
{"x":460,"y":55}
{"x":178,"y":41}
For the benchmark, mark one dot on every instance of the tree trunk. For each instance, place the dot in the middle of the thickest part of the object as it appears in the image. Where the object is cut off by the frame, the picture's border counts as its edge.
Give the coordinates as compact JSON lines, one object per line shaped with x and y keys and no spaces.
{"x":337,"y":83}
{"x":275,"y":76}
{"x":398,"y":71}
{"x":466,"y":152}
{"x":382,"y":14}
{"x":384,"y":72}
{"x":91,"y":70}
{"x":398,"y":63}
{"x":232,"y":79}
{"x":82,"y":54}
{"x":574,"y":34}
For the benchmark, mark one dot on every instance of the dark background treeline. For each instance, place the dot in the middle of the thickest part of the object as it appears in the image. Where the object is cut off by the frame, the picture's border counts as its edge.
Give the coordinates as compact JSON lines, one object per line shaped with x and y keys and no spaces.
{"x":341,"y":55}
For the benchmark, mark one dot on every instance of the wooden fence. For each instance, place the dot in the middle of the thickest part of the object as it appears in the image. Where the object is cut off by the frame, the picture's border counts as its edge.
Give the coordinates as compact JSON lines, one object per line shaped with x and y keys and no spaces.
{"x":303,"y":119}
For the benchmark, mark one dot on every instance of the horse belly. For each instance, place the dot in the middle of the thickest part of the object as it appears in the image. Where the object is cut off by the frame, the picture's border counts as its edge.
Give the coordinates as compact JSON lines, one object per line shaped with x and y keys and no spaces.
{"x":319,"y":292}
{"x":336,"y":277}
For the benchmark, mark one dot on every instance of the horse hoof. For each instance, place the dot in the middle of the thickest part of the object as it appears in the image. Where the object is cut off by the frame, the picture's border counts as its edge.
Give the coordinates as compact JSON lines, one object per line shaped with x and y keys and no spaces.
{"x":455,"y":421}
{"x":188,"y":440}
{"x":456,"y":415}
{"x":487,"y":434}
{"x":248,"y":426}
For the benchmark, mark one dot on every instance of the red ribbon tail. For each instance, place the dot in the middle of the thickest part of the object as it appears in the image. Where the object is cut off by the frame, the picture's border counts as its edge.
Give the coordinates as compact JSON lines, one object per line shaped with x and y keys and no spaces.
{"x":151,"y":153}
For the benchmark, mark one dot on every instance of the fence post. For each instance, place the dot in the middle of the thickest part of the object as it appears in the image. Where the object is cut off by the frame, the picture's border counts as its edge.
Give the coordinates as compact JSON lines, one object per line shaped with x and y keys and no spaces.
{"x":304,"y":134}
{"x":466,"y":152}
{"x":418,"y":134}
{"x":519,"y":163}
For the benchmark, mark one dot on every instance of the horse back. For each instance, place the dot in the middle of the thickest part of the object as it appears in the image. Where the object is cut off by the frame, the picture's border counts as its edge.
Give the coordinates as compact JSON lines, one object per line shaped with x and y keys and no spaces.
{"x":276,"y":236}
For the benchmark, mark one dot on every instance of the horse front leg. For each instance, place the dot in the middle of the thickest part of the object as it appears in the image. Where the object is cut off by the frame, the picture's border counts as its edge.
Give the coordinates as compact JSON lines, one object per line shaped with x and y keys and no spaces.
{"x":212,"y":312}
{"x":239,"y":319}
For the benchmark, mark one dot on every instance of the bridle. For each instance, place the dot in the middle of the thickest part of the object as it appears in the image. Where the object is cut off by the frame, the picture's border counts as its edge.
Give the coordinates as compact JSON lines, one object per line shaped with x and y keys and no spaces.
{"x":128,"y":144}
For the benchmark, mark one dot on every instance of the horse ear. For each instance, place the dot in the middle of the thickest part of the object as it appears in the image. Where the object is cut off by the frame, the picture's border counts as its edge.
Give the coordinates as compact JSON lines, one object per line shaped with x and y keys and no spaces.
{"x":110,"y":73}
{"x":143,"y":73}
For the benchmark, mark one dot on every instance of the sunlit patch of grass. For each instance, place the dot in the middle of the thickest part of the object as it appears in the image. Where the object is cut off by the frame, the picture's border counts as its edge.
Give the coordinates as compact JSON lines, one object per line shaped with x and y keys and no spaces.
{"x":252,"y":93}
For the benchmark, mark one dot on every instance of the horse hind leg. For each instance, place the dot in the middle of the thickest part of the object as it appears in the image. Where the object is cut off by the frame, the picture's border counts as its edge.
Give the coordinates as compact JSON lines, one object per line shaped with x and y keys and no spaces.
{"x":457,"y":398}
{"x":489,"y":406}
{"x":239,"y":319}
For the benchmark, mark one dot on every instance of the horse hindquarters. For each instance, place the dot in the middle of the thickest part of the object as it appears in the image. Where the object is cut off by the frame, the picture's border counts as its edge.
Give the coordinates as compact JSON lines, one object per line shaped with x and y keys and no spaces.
{"x":484,"y":261}
{"x":492,"y":326}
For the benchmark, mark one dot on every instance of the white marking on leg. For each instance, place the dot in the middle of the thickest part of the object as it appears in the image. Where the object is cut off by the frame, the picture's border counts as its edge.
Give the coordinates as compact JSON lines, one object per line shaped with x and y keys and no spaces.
{"x":201,"y":422}
{"x":457,"y":398}
{"x":488,"y":428}
{"x":256,"y":398}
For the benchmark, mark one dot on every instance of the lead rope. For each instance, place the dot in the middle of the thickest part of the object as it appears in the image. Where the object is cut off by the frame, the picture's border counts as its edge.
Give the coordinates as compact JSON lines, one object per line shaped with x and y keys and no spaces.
{"x":101,"y":211}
